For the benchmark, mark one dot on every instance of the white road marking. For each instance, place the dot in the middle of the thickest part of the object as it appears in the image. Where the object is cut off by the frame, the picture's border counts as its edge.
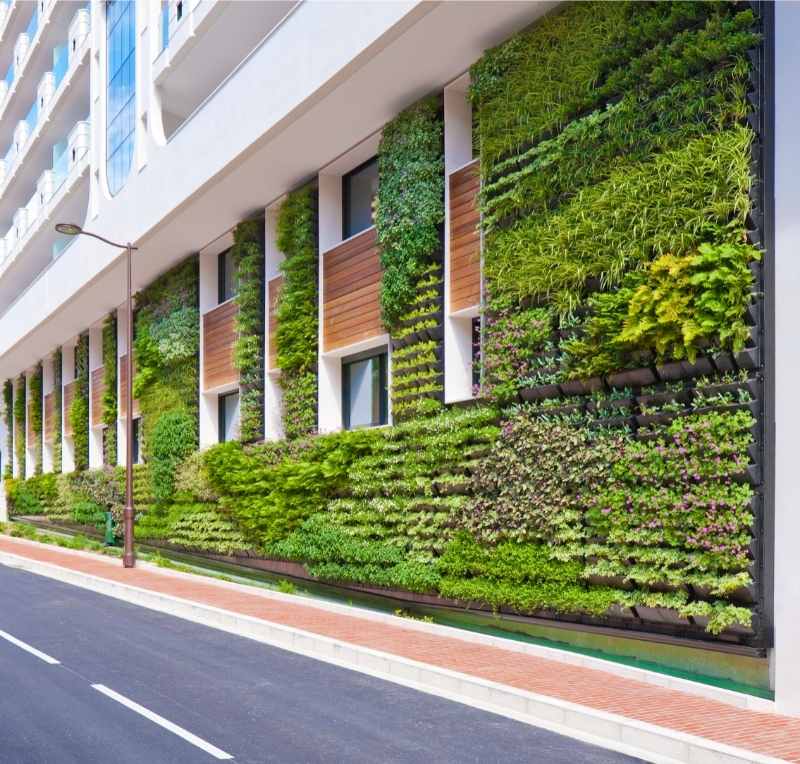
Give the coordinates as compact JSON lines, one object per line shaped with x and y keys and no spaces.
{"x":162,"y":722}
{"x":32,"y":650}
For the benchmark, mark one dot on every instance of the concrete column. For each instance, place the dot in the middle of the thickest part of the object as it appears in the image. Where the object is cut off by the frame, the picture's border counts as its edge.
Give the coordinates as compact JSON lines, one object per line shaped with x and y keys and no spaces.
{"x":457,"y":329}
{"x":786,"y":656}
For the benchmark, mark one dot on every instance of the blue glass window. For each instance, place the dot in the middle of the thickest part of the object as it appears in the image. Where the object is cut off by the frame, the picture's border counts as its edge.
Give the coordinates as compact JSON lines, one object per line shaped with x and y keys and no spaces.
{"x":121,"y":96}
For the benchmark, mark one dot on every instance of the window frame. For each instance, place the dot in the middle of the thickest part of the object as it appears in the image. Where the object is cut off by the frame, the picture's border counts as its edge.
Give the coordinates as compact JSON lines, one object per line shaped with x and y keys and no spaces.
{"x":346,"y":200}
{"x":223,"y":258}
{"x":221,"y":418}
{"x":381,"y":353}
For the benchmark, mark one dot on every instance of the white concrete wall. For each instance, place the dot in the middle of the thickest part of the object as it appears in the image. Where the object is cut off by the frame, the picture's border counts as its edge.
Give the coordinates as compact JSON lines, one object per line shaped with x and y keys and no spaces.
{"x":786,"y":657}
{"x":457,"y":329}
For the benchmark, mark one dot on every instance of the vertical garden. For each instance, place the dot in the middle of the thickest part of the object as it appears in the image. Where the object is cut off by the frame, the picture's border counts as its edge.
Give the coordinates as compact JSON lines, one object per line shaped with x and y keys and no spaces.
{"x":610,"y":472}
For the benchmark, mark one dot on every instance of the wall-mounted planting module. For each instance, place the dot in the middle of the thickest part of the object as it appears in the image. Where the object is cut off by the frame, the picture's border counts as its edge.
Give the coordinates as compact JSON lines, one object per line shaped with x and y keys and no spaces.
{"x":611,"y":472}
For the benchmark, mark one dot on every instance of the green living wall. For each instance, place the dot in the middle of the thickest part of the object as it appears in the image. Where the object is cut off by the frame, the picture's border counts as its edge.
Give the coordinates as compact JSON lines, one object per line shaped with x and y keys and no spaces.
{"x":610,"y":473}
{"x":109,"y":402}
{"x":79,"y":409}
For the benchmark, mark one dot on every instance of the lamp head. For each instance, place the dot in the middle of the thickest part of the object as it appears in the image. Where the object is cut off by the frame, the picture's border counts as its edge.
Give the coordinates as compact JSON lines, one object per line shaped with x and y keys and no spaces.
{"x":69,"y":229}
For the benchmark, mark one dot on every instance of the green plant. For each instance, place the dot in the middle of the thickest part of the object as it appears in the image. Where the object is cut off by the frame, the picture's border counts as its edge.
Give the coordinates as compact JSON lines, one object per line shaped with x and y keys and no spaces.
{"x":109,"y":402}
{"x":173,"y":439}
{"x":36,"y":404}
{"x":57,"y":410}
{"x":248,"y":255}
{"x":79,"y":410}
{"x":297,"y":330}
{"x":20,"y":424}
{"x":8,"y":414}
{"x":410,"y":205}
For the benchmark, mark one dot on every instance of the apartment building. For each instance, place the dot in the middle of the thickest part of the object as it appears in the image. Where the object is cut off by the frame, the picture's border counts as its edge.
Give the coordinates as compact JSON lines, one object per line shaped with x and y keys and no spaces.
{"x":189,"y":128}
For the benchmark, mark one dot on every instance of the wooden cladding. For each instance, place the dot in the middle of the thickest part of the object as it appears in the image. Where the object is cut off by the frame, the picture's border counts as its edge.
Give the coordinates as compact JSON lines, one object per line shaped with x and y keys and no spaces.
{"x":351,"y":292}
{"x":98,"y":389}
{"x":219,"y":338}
{"x":123,"y":381}
{"x":273,"y":292}
{"x":465,"y":238}
{"x":49,"y":418}
{"x":68,"y":397}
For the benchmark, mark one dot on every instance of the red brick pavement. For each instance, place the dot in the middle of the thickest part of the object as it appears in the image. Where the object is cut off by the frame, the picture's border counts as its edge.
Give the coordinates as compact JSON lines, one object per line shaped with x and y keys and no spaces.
{"x":762,"y":732}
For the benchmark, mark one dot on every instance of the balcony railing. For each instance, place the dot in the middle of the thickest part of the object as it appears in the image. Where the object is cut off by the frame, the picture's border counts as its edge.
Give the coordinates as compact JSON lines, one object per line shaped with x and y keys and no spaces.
{"x":38,"y":113}
{"x":50,"y":189}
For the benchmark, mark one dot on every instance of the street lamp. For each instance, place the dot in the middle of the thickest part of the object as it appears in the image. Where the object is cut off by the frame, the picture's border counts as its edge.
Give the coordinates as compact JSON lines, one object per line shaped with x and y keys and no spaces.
{"x":128,"y":558}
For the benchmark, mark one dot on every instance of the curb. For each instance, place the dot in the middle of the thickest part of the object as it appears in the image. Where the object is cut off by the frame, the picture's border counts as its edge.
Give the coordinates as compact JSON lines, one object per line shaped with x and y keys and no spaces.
{"x":655,"y":744}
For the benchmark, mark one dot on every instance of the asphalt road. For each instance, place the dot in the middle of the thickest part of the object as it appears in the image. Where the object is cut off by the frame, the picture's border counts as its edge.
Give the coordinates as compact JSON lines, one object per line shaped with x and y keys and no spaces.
{"x":250,"y":701}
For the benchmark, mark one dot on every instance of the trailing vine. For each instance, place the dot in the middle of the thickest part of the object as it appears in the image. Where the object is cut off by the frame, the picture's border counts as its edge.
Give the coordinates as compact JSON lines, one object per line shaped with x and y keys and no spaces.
{"x":36,"y":404}
{"x":57,"y":410}
{"x":409,"y":209}
{"x":79,"y":410}
{"x":297,"y":312}
{"x":8,"y":414}
{"x":20,"y":416}
{"x":110,"y":389}
{"x":248,"y":256}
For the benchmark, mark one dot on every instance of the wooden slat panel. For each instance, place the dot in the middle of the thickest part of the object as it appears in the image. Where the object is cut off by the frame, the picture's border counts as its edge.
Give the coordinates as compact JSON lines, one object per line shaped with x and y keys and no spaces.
{"x":67,"y":398}
{"x":98,"y":388}
{"x":122,"y":376}
{"x":465,"y":240}
{"x":49,"y":418}
{"x":351,"y":292}
{"x":219,"y":338}
{"x":273,"y":293}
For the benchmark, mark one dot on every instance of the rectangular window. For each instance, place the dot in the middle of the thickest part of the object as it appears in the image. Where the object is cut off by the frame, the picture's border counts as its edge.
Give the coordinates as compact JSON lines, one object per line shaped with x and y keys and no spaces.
{"x":228,"y":408}
{"x":359,"y":188}
{"x":476,"y":354}
{"x":365,"y":398}
{"x":135,"y":451}
{"x":226,"y":277}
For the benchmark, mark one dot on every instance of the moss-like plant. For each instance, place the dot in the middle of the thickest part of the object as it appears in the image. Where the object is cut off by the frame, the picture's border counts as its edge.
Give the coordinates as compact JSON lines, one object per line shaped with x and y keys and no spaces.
{"x":110,"y":389}
{"x":57,"y":410}
{"x":297,"y":312}
{"x":410,"y":206}
{"x":20,"y":416}
{"x":8,"y":415}
{"x":35,"y":392}
{"x":248,"y":255}
{"x":79,"y":410}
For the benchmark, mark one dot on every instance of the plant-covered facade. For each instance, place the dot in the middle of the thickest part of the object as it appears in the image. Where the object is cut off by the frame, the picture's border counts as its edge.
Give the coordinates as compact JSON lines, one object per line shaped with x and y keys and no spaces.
{"x":608,"y":473}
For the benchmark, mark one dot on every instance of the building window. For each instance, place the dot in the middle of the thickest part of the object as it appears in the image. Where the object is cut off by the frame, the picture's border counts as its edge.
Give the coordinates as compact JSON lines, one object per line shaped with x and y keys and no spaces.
{"x":228,"y":407}
{"x":476,"y":355}
{"x":365,"y":399}
{"x":121,"y":95}
{"x":359,"y":188}
{"x":227,"y":283}
{"x":135,"y":450}
{"x":179,"y":10}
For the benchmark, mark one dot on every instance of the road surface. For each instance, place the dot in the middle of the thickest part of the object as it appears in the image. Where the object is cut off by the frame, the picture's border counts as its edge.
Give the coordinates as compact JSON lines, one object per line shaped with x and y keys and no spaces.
{"x":86,"y":678}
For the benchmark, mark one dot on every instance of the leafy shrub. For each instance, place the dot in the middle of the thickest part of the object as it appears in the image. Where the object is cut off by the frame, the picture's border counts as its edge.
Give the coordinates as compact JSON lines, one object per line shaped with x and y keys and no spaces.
{"x":173,"y":439}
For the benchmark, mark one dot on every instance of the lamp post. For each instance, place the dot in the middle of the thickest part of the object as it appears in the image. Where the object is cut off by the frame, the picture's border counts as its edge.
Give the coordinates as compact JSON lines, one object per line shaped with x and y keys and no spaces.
{"x":128,"y":557}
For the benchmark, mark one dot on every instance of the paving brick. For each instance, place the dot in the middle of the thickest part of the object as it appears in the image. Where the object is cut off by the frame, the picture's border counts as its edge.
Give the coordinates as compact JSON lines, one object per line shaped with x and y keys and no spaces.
{"x":761,"y":732}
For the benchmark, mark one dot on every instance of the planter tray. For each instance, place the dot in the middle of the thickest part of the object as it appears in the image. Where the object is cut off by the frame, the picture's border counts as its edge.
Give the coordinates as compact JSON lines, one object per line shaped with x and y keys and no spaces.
{"x":632,"y":378}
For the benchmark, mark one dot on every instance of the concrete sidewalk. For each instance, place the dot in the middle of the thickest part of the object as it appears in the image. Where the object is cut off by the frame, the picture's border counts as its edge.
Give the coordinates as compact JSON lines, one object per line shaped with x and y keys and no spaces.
{"x":601,"y":702}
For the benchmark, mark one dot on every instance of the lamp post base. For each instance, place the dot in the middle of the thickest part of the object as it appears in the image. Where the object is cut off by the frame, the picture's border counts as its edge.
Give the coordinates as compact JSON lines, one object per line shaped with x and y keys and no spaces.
{"x":128,"y":557}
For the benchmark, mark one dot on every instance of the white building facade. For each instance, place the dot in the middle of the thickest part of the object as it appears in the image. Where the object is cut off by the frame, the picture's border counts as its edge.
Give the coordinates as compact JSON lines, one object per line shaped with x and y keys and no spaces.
{"x":165,"y":124}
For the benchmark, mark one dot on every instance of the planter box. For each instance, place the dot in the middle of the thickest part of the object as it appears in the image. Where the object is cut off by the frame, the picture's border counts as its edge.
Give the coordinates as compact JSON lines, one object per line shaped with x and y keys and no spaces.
{"x":723,"y":362}
{"x":632,"y":378}
{"x":752,"y":407}
{"x":749,"y":358}
{"x":751,"y":476}
{"x":655,"y":399}
{"x":540,"y":392}
{"x":751,"y":385}
{"x":436,"y":334}
{"x":662,"y":417}
{"x":754,"y":314}
{"x":661,"y":615}
{"x":616,"y":421}
{"x":610,"y":405}
{"x":569,"y":408}
{"x":582,"y":386}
